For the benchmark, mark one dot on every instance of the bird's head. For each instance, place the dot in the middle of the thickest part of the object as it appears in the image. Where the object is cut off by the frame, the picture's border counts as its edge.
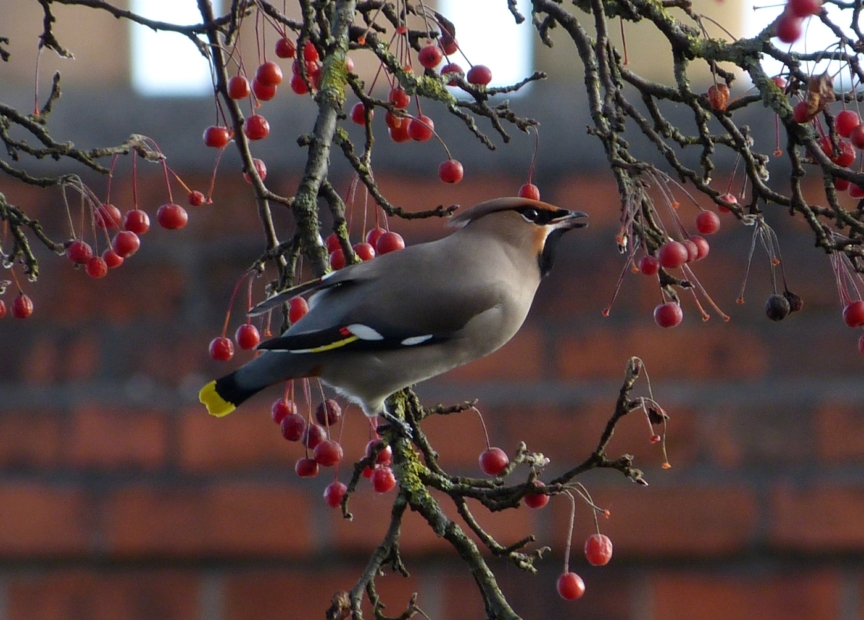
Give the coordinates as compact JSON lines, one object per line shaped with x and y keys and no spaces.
{"x":532,"y":225}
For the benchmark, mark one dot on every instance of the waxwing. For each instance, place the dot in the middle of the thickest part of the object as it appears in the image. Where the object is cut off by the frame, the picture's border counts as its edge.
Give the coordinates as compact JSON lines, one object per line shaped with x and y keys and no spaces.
{"x":376,"y":327}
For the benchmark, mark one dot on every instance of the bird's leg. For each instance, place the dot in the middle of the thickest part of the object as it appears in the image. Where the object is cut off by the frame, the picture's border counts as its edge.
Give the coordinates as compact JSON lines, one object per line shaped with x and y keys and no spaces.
{"x":399,"y":423}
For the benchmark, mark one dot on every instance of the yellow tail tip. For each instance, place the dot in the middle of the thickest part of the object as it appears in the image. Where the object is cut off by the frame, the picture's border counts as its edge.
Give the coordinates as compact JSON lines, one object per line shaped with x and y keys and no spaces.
{"x":216,"y":405}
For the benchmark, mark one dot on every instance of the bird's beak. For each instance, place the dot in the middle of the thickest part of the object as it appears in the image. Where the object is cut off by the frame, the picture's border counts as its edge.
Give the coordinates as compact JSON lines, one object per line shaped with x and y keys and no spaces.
{"x":567,"y":220}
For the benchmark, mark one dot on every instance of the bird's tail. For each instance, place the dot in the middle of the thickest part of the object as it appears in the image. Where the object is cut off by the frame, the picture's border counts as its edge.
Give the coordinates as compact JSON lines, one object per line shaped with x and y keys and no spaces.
{"x":224,"y":395}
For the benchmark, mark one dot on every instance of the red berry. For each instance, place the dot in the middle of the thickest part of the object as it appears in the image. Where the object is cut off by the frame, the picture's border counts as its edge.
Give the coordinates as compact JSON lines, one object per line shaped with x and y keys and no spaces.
{"x":264,"y":92}
{"x":217,"y":137}
{"x":399,"y":134}
{"x":125,"y":243}
{"x":334,"y":493}
{"x":430,"y":56}
{"x":707,"y":222}
{"x":668,"y":314}
{"x":260,"y":168}
{"x":649,"y":265}
{"x":364,"y":251}
{"x":800,"y":113}
{"x":306,"y":468}
{"x":803,"y":8}
{"x":846,"y":156}
{"x":450,"y":171}
{"x":537,"y":500}
{"x":313,"y":435}
{"x":79,"y":252}
{"x":392,"y":121}
{"x":846,"y":121}
{"x":256,"y":127}
{"x":399,"y":98}
{"x":383,"y":479}
{"x":293,"y":426}
{"x":853,"y":314}
{"x":385,"y":455}
{"x":107,"y":216}
{"x":479,"y":75}
{"x":718,"y":96}
{"x":789,"y":28}
{"x":728,"y":198}
{"x":298,"y":85}
{"x":171,"y":216}
{"x":373,"y":235}
{"x":856,"y":191}
{"x":238,"y":87}
{"x":310,"y":54}
{"x":367,"y":472}
{"x":137,"y":221}
{"x":269,"y":74}
{"x":332,"y":242}
{"x":421,"y":128}
{"x":221,"y":349}
{"x":692,"y":250}
{"x":570,"y":586}
{"x":247,"y":336}
{"x":281,"y":409}
{"x":493,"y":461}
{"x":598,"y":550}
{"x":702,"y":247}
{"x":2,"y":308}
{"x":112,"y":259}
{"x":389,"y":242}
{"x":328,"y":453}
{"x":22,"y":306}
{"x":358,"y":113}
{"x":841,"y":185}
{"x":337,"y":259}
{"x":328,"y":412}
{"x":285,"y":48}
{"x":448,"y":44}
{"x":672,"y":254}
{"x":196,"y":198}
{"x":96,"y":267}
{"x":529,"y":190}
{"x":857,"y":136}
{"x":297,"y":309}
{"x":454,"y":69}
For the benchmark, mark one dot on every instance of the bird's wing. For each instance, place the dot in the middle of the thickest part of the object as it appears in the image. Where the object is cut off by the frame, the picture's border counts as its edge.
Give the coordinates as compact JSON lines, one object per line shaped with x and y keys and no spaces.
{"x":274,"y":301}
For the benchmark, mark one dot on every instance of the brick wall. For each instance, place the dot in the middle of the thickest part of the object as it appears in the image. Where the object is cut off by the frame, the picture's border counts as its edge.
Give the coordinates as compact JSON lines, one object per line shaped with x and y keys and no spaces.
{"x":121,"y":499}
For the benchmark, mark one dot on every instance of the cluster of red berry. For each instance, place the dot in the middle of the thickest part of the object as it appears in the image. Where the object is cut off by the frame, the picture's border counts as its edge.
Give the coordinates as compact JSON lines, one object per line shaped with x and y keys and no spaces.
{"x":791,"y":22}
{"x":598,"y":552}
{"x":323,"y":451}
{"x":675,"y":254}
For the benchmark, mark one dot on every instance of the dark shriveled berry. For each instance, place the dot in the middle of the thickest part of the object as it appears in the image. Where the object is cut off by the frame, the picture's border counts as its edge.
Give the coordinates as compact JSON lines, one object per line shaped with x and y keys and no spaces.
{"x":777,"y":307}
{"x":795,"y":301}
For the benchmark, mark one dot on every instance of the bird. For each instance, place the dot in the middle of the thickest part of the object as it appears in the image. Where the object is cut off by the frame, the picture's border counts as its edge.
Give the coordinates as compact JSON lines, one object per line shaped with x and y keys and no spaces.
{"x":376,"y":327}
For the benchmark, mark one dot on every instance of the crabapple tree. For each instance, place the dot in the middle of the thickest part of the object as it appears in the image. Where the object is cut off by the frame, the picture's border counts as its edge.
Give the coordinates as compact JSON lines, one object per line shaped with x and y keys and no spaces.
{"x":419,"y":60}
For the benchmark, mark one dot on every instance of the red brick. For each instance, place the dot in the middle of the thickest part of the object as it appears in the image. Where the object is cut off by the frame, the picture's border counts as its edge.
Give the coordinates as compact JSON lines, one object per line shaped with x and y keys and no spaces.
{"x":838,"y":427}
{"x":40,"y":361}
{"x":230,"y":519}
{"x":683,"y":521}
{"x":132,"y":595}
{"x":521,"y":359}
{"x":817,"y":519}
{"x":791,"y":596}
{"x":596,"y":194}
{"x":277,"y":595}
{"x":701,"y":352}
{"x":40,"y":520}
{"x":107,"y":438}
{"x":28,"y":439}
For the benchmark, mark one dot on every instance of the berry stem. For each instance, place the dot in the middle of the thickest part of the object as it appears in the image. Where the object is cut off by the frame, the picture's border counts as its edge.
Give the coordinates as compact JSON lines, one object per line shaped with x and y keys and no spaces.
{"x":483,"y":424}
{"x":569,"y":531}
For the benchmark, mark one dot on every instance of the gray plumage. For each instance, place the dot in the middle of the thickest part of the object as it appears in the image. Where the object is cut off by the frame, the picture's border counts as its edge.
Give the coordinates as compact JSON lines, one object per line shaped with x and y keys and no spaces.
{"x":404,"y":317}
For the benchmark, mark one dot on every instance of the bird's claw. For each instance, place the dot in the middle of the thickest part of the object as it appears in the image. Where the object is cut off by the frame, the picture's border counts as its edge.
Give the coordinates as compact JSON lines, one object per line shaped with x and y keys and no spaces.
{"x":401,"y":425}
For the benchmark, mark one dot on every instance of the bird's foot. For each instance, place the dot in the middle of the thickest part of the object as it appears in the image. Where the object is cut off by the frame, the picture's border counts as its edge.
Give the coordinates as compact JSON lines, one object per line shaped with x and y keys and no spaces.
{"x":401,"y":425}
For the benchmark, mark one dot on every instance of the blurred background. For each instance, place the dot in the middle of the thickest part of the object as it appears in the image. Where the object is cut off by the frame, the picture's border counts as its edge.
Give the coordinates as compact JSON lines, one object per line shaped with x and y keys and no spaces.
{"x":121,"y":499}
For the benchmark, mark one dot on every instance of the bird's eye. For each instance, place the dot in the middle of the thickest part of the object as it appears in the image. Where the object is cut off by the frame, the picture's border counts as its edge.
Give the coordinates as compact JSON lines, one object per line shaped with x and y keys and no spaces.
{"x":530,"y":214}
